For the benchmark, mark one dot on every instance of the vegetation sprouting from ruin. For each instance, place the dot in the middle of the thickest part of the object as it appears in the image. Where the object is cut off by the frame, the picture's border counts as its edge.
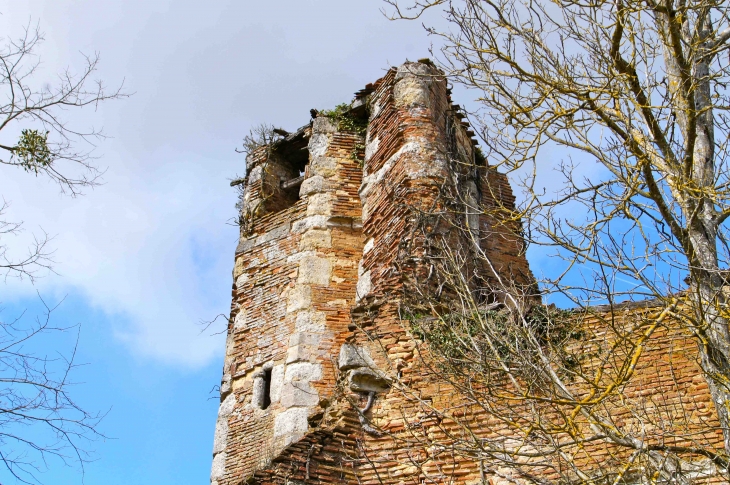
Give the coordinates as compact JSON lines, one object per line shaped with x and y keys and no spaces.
{"x":346,"y":120}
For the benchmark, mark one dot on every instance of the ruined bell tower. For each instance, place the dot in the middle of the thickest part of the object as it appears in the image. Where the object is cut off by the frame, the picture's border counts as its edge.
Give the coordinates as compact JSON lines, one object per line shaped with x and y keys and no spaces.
{"x":325,"y":213}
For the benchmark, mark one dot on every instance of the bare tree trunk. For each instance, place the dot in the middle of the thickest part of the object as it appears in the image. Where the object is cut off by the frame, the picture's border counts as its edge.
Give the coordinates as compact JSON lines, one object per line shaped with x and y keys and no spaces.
{"x":711,"y":326}
{"x":707,"y":282}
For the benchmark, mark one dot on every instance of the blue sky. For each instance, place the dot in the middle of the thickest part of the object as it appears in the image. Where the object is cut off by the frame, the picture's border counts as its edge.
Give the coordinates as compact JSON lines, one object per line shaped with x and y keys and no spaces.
{"x":145,"y":257}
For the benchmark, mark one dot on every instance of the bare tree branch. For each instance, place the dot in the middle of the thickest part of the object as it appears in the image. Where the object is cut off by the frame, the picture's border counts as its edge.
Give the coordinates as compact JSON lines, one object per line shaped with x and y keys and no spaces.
{"x":35,"y":393}
{"x":638,"y":93}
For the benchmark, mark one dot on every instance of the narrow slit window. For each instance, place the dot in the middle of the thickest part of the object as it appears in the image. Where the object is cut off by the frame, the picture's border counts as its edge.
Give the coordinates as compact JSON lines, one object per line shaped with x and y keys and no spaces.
{"x":262,"y":389}
{"x":267,"y":389}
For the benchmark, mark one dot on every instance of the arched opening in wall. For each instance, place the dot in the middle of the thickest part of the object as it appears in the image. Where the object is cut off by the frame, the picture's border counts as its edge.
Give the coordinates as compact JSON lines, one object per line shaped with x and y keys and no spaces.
{"x":285,"y":169}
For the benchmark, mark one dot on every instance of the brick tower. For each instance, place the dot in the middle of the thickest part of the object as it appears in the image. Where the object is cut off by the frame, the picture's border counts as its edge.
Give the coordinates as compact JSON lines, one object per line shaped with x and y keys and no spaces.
{"x":325,"y":214}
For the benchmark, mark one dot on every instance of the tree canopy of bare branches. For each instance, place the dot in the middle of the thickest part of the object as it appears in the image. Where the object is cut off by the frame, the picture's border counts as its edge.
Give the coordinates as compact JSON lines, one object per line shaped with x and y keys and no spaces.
{"x":48,"y":145}
{"x":633,"y":98}
{"x":39,"y":419}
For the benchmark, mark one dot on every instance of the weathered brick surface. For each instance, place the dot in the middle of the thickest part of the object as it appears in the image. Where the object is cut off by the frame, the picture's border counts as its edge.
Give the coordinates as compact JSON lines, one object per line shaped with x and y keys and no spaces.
{"x":329,"y":267}
{"x":295,"y":276}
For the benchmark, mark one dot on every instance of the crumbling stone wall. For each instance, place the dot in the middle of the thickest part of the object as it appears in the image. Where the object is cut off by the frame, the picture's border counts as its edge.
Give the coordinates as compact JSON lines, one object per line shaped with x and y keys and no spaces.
{"x":305,"y":263}
{"x":295,"y":277}
{"x":316,"y":338}
{"x":427,"y":163}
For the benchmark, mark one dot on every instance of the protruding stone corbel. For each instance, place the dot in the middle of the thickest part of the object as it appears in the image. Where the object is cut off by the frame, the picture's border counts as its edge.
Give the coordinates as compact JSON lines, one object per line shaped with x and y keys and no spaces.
{"x":364,"y":377}
{"x":367,"y":427}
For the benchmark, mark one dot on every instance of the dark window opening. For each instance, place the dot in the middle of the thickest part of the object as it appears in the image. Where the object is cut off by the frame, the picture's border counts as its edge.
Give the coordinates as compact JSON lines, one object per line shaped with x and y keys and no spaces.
{"x":295,"y":152}
{"x":285,"y":171}
{"x":267,"y":389}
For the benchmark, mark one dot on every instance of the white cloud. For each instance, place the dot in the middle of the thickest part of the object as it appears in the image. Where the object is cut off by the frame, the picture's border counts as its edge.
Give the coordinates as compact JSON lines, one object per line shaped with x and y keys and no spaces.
{"x":130,"y":248}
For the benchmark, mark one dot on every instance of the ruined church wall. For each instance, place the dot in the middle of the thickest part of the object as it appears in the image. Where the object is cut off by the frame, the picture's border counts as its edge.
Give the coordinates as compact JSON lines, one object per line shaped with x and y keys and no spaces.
{"x":666,"y":401}
{"x":404,"y":438}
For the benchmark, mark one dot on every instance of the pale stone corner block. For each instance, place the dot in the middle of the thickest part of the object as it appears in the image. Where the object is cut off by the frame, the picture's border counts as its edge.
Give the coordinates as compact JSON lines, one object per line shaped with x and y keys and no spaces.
{"x":219,"y":466}
{"x":305,"y":338}
{"x":364,"y":286}
{"x":315,"y":271}
{"x":315,"y":239}
{"x":242,"y":280}
{"x":299,"y":395}
{"x":410,"y":91}
{"x":290,"y":425}
{"x":325,"y":167}
{"x":226,"y":407}
{"x":240,"y":319}
{"x":244,"y":244}
{"x":303,"y":372}
{"x":226,"y":384}
{"x":311,"y":321}
{"x":312,"y":185}
{"x":238,"y":267}
{"x":220,"y":439}
{"x":323,"y":124}
{"x":318,"y":144}
{"x":300,"y":297}
{"x":300,"y":353}
{"x":371,"y":147}
{"x":414,"y":70}
{"x":311,"y":222}
{"x":255,"y":174}
{"x":320,"y":204}
{"x":304,"y":347}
